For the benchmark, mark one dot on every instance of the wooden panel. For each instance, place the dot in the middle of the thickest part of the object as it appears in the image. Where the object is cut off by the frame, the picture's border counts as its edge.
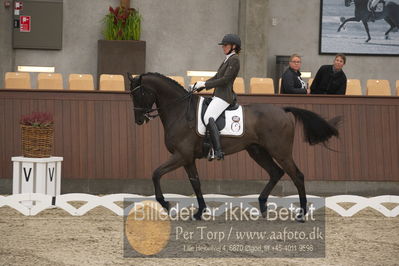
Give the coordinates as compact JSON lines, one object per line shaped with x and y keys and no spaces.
{"x":96,"y":134}
{"x":3,"y":158}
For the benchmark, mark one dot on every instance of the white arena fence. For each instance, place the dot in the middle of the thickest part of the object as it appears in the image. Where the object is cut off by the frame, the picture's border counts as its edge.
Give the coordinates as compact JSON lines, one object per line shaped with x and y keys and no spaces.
{"x":23,"y":203}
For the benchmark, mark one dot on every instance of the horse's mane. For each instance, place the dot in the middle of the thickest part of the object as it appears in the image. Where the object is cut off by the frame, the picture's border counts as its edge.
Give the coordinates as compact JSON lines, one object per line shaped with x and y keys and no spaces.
{"x":169,"y":80}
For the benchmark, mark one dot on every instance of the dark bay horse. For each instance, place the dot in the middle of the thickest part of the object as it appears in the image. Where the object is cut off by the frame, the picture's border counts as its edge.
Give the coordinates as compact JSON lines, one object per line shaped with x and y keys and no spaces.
{"x":390,"y":14}
{"x":268,"y":138}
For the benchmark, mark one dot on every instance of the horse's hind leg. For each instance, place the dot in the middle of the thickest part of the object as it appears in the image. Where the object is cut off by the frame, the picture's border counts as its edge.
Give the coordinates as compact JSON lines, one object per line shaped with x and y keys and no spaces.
{"x":173,"y":163}
{"x":389,"y":21}
{"x":298,"y":178}
{"x":263,"y":158}
{"x":192,"y":173}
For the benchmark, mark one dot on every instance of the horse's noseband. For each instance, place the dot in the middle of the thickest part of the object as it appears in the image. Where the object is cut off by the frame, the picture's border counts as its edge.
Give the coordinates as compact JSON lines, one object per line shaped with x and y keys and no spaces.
{"x":138,"y":87}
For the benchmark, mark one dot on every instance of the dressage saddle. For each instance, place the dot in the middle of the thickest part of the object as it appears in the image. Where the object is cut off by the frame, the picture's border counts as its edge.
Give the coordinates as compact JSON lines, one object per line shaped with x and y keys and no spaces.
{"x":221,"y":121}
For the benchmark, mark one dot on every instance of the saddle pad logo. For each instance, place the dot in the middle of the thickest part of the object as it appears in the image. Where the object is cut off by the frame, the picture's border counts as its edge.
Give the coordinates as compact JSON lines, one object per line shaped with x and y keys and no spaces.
{"x":235,"y":127}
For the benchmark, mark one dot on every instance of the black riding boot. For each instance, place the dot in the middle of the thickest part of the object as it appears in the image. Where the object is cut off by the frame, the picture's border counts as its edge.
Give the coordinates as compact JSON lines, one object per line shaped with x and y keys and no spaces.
{"x":215,"y":139}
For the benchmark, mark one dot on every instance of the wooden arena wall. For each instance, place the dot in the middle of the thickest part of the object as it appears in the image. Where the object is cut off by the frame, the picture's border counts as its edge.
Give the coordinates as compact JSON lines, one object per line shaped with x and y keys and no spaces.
{"x":96,"y":134}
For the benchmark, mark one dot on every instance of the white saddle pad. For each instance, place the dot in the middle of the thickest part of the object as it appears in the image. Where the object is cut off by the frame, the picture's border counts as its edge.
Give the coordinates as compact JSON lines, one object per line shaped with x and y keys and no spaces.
{"x":234,"y":122}
{"x":379,"y":7}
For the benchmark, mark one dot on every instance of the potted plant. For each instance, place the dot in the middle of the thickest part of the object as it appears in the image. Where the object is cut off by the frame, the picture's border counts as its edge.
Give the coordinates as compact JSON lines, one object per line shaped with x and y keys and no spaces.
{"x":121,"y":50}
{"x":37,"y":134}
{"x":122,"y":23}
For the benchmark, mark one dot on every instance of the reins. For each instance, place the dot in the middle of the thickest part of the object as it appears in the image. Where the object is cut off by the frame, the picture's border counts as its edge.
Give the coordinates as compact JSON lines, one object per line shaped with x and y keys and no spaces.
{"x":148,"y":111}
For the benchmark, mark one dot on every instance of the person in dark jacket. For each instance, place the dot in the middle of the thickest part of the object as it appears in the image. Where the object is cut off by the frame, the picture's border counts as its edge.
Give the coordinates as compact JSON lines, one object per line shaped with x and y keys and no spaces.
{"x":330,"y":79}
{"x":291,"y":81}
{"x":223,"y":95}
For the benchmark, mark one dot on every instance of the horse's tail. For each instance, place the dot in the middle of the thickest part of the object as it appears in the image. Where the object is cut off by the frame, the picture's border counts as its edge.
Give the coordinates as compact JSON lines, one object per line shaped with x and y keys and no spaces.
{"x":316,"y":129}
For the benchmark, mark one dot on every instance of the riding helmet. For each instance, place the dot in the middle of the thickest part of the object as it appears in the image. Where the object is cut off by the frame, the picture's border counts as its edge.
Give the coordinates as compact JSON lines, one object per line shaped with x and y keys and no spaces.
{"x":231,"y":39}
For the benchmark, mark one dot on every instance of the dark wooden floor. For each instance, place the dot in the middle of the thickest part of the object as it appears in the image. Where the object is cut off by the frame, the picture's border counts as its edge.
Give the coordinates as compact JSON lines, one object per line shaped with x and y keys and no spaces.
{"x":96,"y":135}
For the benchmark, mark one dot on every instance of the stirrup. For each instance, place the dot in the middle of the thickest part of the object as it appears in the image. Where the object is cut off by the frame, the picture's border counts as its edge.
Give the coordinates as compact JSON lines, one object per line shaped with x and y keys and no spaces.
{"x":211,"y":155}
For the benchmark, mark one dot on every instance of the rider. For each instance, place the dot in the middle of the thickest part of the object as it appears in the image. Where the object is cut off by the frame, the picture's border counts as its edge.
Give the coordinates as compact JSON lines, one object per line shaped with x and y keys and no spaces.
{"x":223,"y":95}
{"x":372,"y":7}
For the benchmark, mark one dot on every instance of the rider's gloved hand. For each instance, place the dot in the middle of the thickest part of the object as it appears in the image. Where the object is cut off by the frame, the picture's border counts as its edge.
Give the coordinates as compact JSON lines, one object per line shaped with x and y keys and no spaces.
{"x":199,"y":86}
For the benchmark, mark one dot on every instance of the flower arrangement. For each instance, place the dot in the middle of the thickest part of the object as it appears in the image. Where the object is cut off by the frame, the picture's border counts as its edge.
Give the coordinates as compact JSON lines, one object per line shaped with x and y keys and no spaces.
{"x":122,"y":23}
{"x":37,"y":119}
{"x":37,"y":134}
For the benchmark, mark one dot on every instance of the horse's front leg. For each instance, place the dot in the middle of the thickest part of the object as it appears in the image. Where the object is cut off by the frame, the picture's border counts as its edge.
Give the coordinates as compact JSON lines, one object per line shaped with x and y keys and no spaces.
{"x":345,"y":21}
{"x":366,"y":26}
{"x":173,"y":163}
{"x":192,"y":173}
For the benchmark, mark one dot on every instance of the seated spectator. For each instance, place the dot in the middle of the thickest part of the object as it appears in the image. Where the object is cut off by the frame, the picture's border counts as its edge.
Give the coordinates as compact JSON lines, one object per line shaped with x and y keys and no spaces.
{"x":291,"y":82}
{"x":330,"y":79}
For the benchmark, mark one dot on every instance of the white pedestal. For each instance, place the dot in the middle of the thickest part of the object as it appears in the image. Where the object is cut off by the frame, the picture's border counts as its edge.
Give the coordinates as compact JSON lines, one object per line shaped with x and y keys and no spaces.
{"x":37,"y":175}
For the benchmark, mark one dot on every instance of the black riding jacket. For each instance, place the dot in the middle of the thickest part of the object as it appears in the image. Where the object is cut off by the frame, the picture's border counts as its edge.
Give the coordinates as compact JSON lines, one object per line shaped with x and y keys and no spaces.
{"x":327,"y":81}
{"x":291,"y":82}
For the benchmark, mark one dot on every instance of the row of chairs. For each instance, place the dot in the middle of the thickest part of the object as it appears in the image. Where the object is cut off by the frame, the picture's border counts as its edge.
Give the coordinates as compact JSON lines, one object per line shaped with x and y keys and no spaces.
{"x":54,"y":81}
{"x":20,"y":80}
{"x":257,"y":85}
{"x":266,"y":86}
{"x":374,"y":87}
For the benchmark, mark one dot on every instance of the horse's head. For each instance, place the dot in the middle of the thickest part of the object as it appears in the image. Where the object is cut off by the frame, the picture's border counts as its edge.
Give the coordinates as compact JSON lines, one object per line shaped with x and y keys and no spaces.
{"x":143,"y":99}
{"x":348,"y":2}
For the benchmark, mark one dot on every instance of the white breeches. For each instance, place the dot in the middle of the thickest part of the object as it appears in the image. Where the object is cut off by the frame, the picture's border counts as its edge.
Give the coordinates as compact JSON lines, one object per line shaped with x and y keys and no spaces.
{"x":373,"y":3}
{"x":215,"y":109}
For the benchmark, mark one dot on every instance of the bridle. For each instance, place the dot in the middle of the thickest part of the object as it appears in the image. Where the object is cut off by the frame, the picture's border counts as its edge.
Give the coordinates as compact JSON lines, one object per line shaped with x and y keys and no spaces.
{"x":148,"y":111}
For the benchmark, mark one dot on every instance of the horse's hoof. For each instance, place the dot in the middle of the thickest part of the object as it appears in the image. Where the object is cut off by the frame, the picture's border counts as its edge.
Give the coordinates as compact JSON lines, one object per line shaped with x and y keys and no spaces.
{"x":166,"y":205}
{"x":264,"y":214}
{"x":367,"y":40}
{"x":263,"y":210}
{"x":197,"y":217}
{"x":262,"y":207}
{"x":300,"y":218}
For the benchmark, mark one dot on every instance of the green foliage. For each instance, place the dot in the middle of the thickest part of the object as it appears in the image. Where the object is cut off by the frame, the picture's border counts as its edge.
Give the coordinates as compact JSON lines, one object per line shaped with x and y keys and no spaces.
{"x":122,"y":24}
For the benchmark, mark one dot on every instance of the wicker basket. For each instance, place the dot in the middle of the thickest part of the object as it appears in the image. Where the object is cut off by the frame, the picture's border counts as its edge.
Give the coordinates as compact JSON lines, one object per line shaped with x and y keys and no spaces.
{"x":37,"y":142}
